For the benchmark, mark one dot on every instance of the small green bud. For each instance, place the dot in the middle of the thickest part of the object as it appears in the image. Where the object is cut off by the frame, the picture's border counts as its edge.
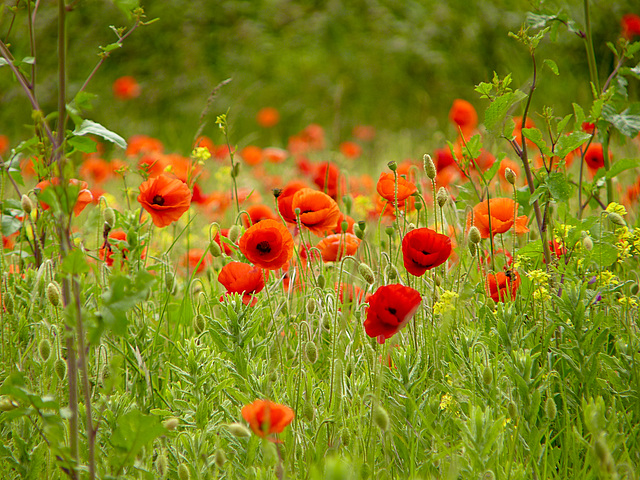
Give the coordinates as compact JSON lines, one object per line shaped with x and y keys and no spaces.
{"x":418,"y":204}
{"x":27,"y":204}
{"x":171,"y":423}
{"x":234,"y":233}
{"x":381,"y":417}
{"x":616,"y":219}
{"x":215,"y":249}
{"x":393,"y":166}
{"x":429,"y":167}
{"x":587,"y":243}
{"x":366,"y":273}
{"x":44,"y":349}
{"x":510,"y":176}
{"x":53,"y":294}
{"x":132,"y":237}
{"x":472,"y":249}
{"x":183,"y":472}
{"x":550,"y":409}
{"x":321,"y":280}
{"x":308,"y":412}
{"x":60,"y":367}
{"x":359,"y":232}
{"x":489,"y":475}
{"x":220,"y":457}
{"x":345,"y":437}
{"x":344,"y":226}
{"x":109,"y":217}
{"x":239,"y":430}
{"x":199,"y":323}
{"x":474,"y":235}
{"x":348,"y":202}
{"x":7,"y":404}
{"x":634,"y":289}
{"x":161,"y":465}
{"x":512,"y":410}
{"x":442,"y":196}
{"x":235,"y":171}
{"x":391,"y":272}
{"x":487,"y":375}
{"x":170,"y":281}
{"x":389,"y":231}
{"x":311,"y":352}
{"x":326,"y":323}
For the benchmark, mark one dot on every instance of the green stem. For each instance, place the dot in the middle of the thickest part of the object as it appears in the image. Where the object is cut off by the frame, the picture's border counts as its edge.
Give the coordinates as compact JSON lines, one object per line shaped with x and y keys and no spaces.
{"x":591,"y":56}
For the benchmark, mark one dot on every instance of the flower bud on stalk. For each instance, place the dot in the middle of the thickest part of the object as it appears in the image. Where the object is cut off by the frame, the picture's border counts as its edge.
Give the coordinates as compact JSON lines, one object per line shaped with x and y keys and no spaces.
{"x":429,"y":167}
{"x":234,"y":233}
{"x":220,"y":457}
{"x":311,"y":352}
{"x":171,"y":423}
{"x":215,"y":249}
{"x":27,"y":204}
{"x":616,"y":219}
{"x":53,"y":294}
{"x":161,"y":465}
{"x":550,"y":409}
{"x":44,"y":349}
{"x":381,"y":417}
{"x":239,"y":430}
{"x":366,"y":273}
{"x":510,"y":176}
{"x":183,"y":472}
{"x":487,"y":375}
{"x":60,"y":367}
{"x":474,"y":235}
{"x":109,"y":217}
{"x":588,"y":243}
{"x":442,"y":196}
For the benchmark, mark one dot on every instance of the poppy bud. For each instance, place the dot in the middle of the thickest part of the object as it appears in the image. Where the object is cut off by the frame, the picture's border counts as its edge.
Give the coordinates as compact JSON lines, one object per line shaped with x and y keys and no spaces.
{"x":277,"y":192}
{"x":220,"y":457}
{"x":512,"y":410}
{"x":389,"y":231}
{"x":489,"y":475}
{"x":391,"y":272}
{"x":234,"y":233}
{"x":344,"y":226}
{"x":345,"y":437}
{"x":109,"y":217}
{"x":616,"y":219}
{"x":161,"y":465}
{"x":442,"y":196}
{"x":487,"y":375}
{"x":359,"y":232}
{"x":171,"y":423}
{"x":634,"y":289}
{"x":321,"y":281}
{"x":472,"y":249}
{"x":366,"y":273}
{"x":27,"y":204}
{"x":550,"y":409}
{"x":60,"y":367}
{"x":239,"y":430}
{"x":7,"y":302}
{"x":603,"y":454}
{"x":393,"y":166}
{"x":53,"y":294}
{"x":44,"y":349}
{"x":311,"y":306}
{"x":183,"y":472}
{"x":510,"y":176}
{"x":588,"y":243}
{"x":418,"y":205}
{"x":474,"y":235}
{"x":235,"y":171}
{"x":326,"y":323}
{"x":308,"y":412}
{"x":311,"y":352}
{"x":199,"y":324}
{"x":132,"y":237}
{"x":170,"y":281}
{"x":215,"y":249}
{"x":429,"y":167}
{"x":381,"y":417}
{"x":348,"y":202}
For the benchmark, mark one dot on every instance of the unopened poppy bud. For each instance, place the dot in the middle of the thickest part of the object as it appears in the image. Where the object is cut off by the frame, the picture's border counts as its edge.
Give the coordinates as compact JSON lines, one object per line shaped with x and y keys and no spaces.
{"x":60,"y":367}
{"x":132,"y":237}
{"x":381,"y":417}
{"x":472,"y":249}
{"x":393,"y":166}
{"x":276,"y":192}
{"x":199,"y":324}
{"x":391,"y":272}
{"x":220,"y":457}
{"x":389,"y":231}
{"x":27,"y":204}
{"x":588,"y":243}
{"x":109,"y":217}
{"x":44,"y":349}
{"x":234,"y":233}
{"x":634,"y":289}
{"x":348,"y":202}
{"x":183,"y":472}
{"x":604,"y":455}
{"x":170,"y":281}
{"x":616,"y":219}
{"x":344,"y":226}
{"x":215,"y":249}
{"x":345,"y":437}
{"x":474,"y":235}
{"x":326,"y":323}
{"x":171,"y":423}
{"x":311,"y":306}
{"x":510,"y":176}
{"x":512,"y":410}
{"x":442,"y":196}
{"x":308,"y":412}
{"x":489,"y":475}
{"x":487,"y":375}
{"x":358,"y":232}
{"x":366,"y":273}
{"x":239,"y":430}
{"x":161,"y":465}
{"x":550,"y":409}
{"x":311,"y":352}
{"x":418,"y":205}
{"x":321,"y":281}
{"x":235,"y":171}
{"x":429,"y":167}
{"x":53,"y":294}
{"x":7,"y":302}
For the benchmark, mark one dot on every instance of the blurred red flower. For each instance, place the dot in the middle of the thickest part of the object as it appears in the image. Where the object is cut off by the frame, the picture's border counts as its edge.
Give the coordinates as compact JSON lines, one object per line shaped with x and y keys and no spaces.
{"x":325,"y":177}
{"x":390,"y":308}
{"x":464,"y":115}
{"x":594,"y":157}
{"x":350,"y":149}
{"x":266,"y":418}
{"x":630,"y":26}
{"x":268,"y":117}
{"x":337,"y":246}
{"x":85,"y":197}
{"x":126,"y":88}
{"x":251,"y":155}
{"x":503,"y":286}
{"x":424,"y":249}
{"x":242,"y":278}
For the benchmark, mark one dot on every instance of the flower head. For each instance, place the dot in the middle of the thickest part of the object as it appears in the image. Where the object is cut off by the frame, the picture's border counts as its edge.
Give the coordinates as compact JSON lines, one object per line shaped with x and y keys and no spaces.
{"x":126,"y":88}
{"x":318,"y":211}
{"x":424,"y":249}
{"x":386,"y":187}
{"x":335,"y":247}
{"x":390,"y":308}
{"x":463,"y":115}
{"x":500,"y":213}
{"x":84,"y":198}
{"x":266,"y":418}
{"x":267,"y":244}
{"x":165,"y":198}
{"x":503,"y":286}
{"x":242,"y":278}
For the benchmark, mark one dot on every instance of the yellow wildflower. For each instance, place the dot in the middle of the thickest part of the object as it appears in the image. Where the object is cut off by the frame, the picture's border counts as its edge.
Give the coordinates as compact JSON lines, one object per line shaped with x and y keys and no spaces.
{"x":445,"y":304}
{"x":614,"y":207}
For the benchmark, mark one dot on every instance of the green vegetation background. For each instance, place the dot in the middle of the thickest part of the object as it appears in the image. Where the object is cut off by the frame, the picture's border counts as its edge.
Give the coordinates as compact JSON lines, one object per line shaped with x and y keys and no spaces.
{"x":395,"y":65}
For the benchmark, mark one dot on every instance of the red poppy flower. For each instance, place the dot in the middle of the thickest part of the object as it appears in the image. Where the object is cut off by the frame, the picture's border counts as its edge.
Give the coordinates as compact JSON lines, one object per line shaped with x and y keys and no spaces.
{"x":251,"y":154}
{"x":193,"y":259}
{"x":267,"y":244}
{"x":390,"y":308}
{"x":503,"y":286}
{"x":98,"y":169}
{"x":85,"y":197}
{"x":326,"y":178}
{"x":424,"y":249}
{"x":266,"y":418}
{"x":258,"y":213}
{"x":386,"y":188}
{"x":4,"y":144}
{"x":630,"y":26}
{"x":350,"y":149}
{"x":594,"y":157}
{"x":318,"y":211}
{"x":464,"y":115}
{"x":242,"y":278}
{"x":286,"y":198}
{"x":335,"y":247}
{"x":275,"y":155}
{"x":364,"y":132}
{"x":142,"y":144}
{"x":166,"y":199}
{"x":126,"y":88}
{"x":268,"y":117}
{"x":502,"y":210}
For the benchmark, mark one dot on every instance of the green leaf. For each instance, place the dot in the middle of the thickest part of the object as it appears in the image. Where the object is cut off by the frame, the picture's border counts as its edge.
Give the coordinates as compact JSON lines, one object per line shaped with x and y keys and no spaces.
{"x":627,"y":122}
{"x":122,"y":295}
{"x":559,"y":187}
{"x":535,"y":136}
{"x":10,"y":225}
{"x":604,"y":254}
{"x":90,"y":127}
{"x":499,"y":108}
{"x":75,"y":263}
{"x":134,"y":430}
{"x":579,"y":113}
{"x":568,"y":143}
{"x":83,"y":144}
{"x":531,"y":249}
{"x":562,"y":124}
{"x":491,"y":172}
{"x":552,"y":66}
{"x":126,"y":6}
{"x":3,"y":62}
{"x":473,"y":146}
{"x":618,"y":167}
{"x":111,"y":47}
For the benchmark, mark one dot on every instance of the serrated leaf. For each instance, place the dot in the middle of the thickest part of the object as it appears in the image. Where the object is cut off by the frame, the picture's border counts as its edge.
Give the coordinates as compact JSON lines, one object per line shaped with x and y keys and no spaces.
{"x":499,"y":108}
{"x":559,"y":187}
{"x":90,"y":127}
{"x":627,"y":122}
{"x":579,"y":113}
{"x":83,"y":144}
{"x":568,"y":143}
{"x":552,"y":66}
{"x":531,"y":249}
{"x":539,"y":192}
{"x":535,"y":136}
{"x":562,"y":124}
{"x":10,"y":225}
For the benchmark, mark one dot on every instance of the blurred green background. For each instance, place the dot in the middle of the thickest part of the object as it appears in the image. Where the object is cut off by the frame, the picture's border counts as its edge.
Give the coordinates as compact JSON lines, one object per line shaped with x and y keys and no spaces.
{"x":396,"y":65}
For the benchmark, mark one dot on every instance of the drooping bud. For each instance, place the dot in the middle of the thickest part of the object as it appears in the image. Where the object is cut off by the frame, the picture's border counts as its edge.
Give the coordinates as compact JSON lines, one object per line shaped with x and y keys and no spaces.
{"x":550,"y":409}
{"x":199,"y":323}
{"x":345,"y":437}
{"x":234,"y":233}
{"x":276,"y":192}
{"x":389,"y":231}
{"x":487,"y":375}
{"x":616,"y":219}
{"x":215,"y":249}
{"x":391,"y":272}
{"x":183,"y":472}
{"x":308,"y":412}
{"x":588,"y":243}
{"x":171,"y":423}
{"x":27,"y":204}
{"x":442,"y":196}
{"x":311,"y":306}
{"x":381,"y":417}
{"x":60,"y":367}
{"x":366,"y":273}
{"x":321,"y":281}
{"x":510,"y":176}
{"x":512,"y":410}
{"x":220,"y":457}
{"x":53,"y":294}
{"x":109,"y":217}
{"x":161,"y":465}
{"x":472,"y":249}
{"x":44,"y":349}
{"x":474,"y":235}
{"x":311,"y":352}
{"x":239,"y":430}
{"x":429,"y":167}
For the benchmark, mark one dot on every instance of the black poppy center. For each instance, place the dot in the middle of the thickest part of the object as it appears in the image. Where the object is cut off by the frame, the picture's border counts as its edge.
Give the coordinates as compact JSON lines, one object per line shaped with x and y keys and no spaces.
{"x":158,"y":200}
{"x":263,"y":247}
{"x":392,"y":310}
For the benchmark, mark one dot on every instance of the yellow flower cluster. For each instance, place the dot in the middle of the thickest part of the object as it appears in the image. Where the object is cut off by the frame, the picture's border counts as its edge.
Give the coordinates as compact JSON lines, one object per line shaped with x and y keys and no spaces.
{"x":201,"y":154}
{"x":628,"y":301}
{"x":445,"y":304}
{"x":607,"y":278}
{"x":446,"y":402}
{"x":614,"y":207}
{"x":539,"y":276}
{"x":562,"y":231}
{"x":541,"y":293}
{"x":363,"y":205}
